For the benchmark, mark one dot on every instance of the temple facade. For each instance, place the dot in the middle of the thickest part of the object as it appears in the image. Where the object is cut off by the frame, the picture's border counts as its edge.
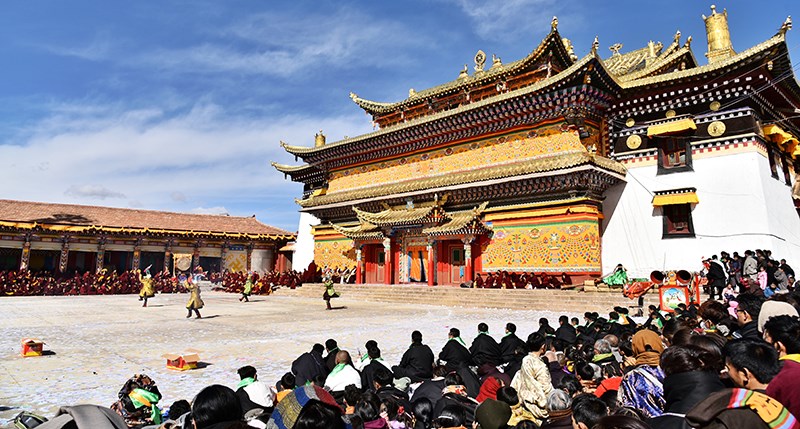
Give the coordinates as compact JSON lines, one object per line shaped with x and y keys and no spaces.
{"x":557,"y":164}
{"x":63,"y":238}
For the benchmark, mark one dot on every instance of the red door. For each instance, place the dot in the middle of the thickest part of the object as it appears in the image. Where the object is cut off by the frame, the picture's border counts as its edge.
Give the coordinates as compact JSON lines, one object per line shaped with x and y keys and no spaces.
{"x":375,"y":263}
{"x":456,"y":258}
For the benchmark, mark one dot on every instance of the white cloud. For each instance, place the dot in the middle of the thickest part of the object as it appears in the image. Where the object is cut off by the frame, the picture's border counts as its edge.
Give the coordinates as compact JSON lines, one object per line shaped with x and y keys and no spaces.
{"x":510,"y":19}
{"x":203,"y":158}
{"x":92,"y":192}
{"x":98,"y":49}
{"x":219,"y":210}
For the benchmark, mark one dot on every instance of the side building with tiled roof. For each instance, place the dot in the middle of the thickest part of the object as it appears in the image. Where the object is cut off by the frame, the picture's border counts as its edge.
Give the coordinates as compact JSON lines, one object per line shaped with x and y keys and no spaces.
{"x":557,"y":164}
{"x":67,"y":238}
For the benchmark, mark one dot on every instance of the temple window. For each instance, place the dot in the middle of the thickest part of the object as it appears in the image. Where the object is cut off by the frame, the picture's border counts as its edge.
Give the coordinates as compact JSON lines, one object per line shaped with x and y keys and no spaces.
{"x":678,"y":221}
{"x":674,"y":154}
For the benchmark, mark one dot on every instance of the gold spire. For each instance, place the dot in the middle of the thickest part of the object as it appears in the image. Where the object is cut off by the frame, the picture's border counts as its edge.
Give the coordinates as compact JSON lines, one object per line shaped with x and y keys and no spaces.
{"x":719,"y":36}
{"x":319,"y":139}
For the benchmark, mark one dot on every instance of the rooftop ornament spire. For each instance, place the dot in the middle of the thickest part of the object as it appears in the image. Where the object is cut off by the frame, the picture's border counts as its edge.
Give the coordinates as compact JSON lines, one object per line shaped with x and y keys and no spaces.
{"x":787,"y":25}
{"x":719,"y":36}
{"x":595,"y":45}
{"x":554,"y":24}
{"x":463,"y":74}
{"x":319,"y":139}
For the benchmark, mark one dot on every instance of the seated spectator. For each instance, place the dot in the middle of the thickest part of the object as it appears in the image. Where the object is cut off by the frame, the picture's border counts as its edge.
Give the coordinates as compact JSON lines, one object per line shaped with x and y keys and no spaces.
{"x":417,"y":361}
{"x":532,"y":382}
{"x":385,"y":390}
{"x":317,"y":409}
{"x":587,"y":411}
{"x":751,"y":364}
{"x":510,"y":342}
{"x":285,"y":386}
{"x":423,"y":413}
{"x":309,"y":365}
{"x":252,"y":393}
{"x":492,"y":414}
{"x":368,"y":413}
{"x":216,"y":407}
{"x":431,"y":389}
{"x":747,"y":311}
{"x":455,"y":394}
{"x":783,"y":332}
{"x":451,"y":416}
{"x":559,"y":410}
{"x":641,"y":388}
{"x":484,"y":348}
{"x":689,"y":378}
{"x":621,"y":422}
{"x":375,"y":363}
{"x":343,"y":374}
{"x":138,"y":399}
{"x":489,"y":389}
{"x":740,"y":408}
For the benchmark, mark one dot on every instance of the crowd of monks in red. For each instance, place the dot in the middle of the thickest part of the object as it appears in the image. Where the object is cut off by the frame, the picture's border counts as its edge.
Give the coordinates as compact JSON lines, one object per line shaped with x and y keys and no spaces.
{"x":506,"y":280}
{"x":24,"y":282}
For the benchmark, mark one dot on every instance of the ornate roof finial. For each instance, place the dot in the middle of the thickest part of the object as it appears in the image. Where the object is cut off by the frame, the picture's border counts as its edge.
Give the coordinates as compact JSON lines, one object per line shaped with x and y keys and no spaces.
{"x":719,"y":36}
{"x":787,"y":25}
{"x":568,"y":46}
{"x":688,"y":41}
{"x":677,"y":37}
{"x":412,"y":92}
{"x":615,"y":49}
{"x":595,"y":45}
{"x":554,"y":24}
{"x":480,"y":61}
{"x":353,"y":95}
{"x":496,"y":61}
{"x":463,"y":74}
{"x":319,"y":139}
{"x":651,"y":49}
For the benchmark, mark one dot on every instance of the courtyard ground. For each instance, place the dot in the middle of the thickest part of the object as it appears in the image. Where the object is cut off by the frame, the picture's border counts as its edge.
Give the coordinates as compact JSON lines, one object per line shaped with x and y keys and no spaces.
{"x":98,"y":342}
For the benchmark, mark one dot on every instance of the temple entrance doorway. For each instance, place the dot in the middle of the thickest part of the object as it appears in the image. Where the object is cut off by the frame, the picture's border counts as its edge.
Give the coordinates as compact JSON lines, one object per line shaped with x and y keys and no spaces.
{"x":417,"y":258}
{"x":375,"y":260}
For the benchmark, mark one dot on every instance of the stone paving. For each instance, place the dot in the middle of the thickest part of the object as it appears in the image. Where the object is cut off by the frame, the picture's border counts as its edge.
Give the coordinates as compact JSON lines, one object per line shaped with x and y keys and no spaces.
{"x":98,"y":342}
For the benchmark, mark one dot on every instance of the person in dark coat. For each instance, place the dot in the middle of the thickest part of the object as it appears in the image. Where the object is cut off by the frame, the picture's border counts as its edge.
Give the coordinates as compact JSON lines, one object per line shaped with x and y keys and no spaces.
{"x":716,"y":278}
{"x":565,"y":331}
{"x":455,"y":394}
{"x":309,"y":366}
{"x":545,"y":329}
{"x":515,"y":363}
{"x":385,"y":390}
{"x":431,"y":389}
{"x":484,"y":348}
{"x":330,"y":358}
{"x":369,"y":370}
{"x":417,"y":361}
{"x":509,"y":342}
{"x":747,"y":310}
{"x":689,"y":379}
{"x":455,"y":352}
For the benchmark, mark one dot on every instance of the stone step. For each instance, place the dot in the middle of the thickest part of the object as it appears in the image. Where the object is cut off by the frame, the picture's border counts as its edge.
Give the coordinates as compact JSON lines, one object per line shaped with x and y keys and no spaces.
{"x":539,"y":299}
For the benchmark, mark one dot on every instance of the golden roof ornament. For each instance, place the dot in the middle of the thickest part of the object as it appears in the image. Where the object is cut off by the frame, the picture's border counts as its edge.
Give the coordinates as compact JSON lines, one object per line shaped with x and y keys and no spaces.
{"x":463,"y":74}
{"x":496,"y":63}
{"x":719,"y":36}
{"x":319,"y":139}
{"x":480,"y":61}
{"x":615,"y":48}
{"x":677,"y":37}
{"x":595,"y":45}
{"x":688,"y":42}
{"x":412,"y":92}
{"x":787,"y":25}
{"x":554,"y":24}
{"x":570,"y":49}
{"x":651,"y":49}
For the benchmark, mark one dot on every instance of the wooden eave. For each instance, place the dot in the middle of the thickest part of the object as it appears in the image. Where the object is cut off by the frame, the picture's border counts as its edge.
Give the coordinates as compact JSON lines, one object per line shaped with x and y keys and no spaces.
{"x":589,"y":63}
{"x":551,"y":43}
{"x":663,"y":64}
{"x":299,"y":173}
{"x":551,"y":164}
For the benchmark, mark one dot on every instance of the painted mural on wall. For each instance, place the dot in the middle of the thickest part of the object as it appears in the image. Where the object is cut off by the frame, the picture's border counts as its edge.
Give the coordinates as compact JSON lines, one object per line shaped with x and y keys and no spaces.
{"x":334,"y":253}
{"x":490,"y":153}
{"x":569,"y":243}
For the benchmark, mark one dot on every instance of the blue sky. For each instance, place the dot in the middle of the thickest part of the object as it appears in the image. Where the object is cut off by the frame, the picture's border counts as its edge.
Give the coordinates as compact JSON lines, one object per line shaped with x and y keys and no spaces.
{"x":180,"y":105}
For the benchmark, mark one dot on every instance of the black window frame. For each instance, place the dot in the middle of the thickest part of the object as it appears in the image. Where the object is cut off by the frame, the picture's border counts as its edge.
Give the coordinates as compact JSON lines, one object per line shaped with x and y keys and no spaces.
{"x":670,"y":217}
{"x":670,"y":142}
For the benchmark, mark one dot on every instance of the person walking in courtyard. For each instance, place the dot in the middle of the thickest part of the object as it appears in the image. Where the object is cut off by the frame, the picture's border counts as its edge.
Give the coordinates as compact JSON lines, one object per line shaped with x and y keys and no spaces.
{"x":248,"y":288}
{"x":195,"y":301}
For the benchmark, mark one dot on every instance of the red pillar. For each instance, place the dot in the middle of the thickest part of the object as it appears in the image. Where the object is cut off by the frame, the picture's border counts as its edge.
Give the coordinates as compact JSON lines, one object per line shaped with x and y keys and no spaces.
{"x":431,"y":267}
{"x":387,"y":266}
{"x":359,"y":265}
{"x":468,"y":261}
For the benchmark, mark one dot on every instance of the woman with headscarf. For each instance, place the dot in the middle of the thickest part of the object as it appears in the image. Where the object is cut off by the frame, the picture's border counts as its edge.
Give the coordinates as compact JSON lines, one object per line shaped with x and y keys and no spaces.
{"x":642,"y":387}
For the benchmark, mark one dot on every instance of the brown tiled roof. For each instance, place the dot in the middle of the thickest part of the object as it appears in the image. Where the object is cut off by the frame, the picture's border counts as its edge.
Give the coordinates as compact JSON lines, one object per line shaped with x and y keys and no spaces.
{"x":78,"y":215}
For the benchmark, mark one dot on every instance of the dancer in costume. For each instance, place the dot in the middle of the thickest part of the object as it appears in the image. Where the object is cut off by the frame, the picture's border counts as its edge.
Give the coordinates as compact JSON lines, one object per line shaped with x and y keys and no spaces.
{"x":618,"y":278}
{"x":248,"y":288}
{"x":147,"y":286}
{"x":195,"y":302}
{"x":330,"y":292}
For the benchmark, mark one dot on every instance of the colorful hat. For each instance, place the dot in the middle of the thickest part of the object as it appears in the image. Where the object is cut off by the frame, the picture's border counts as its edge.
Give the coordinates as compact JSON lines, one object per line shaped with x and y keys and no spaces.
{"x":288,"y":409}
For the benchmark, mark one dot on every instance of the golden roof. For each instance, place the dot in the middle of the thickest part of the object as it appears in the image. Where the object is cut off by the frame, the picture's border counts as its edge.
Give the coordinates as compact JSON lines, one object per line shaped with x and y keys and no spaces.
{"x":394,"y":216}
{"x":362,"y":231}
{"x":476,"y":79}
{"x":458,"y":221}
{"x":544,"y":164}
{"x":283,"y":168}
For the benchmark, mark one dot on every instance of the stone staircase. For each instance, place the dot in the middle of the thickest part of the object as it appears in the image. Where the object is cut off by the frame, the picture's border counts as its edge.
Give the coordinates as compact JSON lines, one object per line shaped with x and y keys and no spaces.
{"x":568,"y":301}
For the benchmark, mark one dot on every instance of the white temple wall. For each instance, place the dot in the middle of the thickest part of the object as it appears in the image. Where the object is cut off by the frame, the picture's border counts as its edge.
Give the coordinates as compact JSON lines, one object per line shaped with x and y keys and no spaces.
{"x":304,"y":247}
{"x":261,"y":260}
{"x":741,"y":206}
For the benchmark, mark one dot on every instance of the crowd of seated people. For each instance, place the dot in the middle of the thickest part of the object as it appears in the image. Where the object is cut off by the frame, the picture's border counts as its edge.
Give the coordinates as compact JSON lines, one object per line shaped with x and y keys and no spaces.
{"x":506,"y":280}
